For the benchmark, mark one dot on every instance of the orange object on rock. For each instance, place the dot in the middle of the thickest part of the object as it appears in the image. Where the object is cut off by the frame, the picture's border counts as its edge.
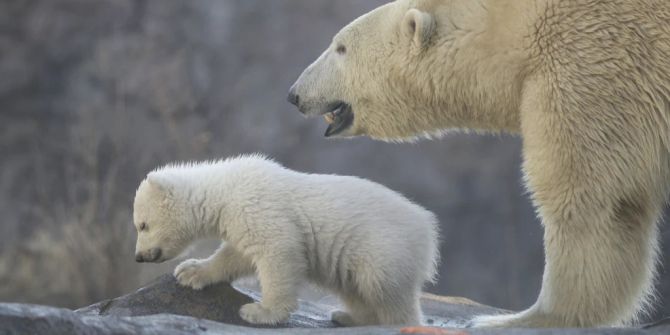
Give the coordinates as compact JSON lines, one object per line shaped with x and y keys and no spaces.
{"x":431,"y":331}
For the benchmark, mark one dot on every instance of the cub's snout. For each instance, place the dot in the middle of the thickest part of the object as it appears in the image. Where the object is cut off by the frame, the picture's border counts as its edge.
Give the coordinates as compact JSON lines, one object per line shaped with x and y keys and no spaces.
{"x":151,"y":256}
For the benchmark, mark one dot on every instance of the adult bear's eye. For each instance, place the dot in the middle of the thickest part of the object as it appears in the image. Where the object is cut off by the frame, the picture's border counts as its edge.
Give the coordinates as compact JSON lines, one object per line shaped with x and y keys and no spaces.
{"x":143,"y":226}
{"x":341,"y":49}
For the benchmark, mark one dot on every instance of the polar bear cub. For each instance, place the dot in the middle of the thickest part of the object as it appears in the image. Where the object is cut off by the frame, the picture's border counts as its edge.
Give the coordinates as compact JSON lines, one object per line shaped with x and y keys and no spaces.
{"x":368,"y":244}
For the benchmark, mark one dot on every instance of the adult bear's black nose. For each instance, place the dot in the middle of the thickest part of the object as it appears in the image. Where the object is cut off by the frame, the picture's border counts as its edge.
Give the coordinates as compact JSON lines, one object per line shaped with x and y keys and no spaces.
{"x":293,"y":98}
{"x":139,"y":258}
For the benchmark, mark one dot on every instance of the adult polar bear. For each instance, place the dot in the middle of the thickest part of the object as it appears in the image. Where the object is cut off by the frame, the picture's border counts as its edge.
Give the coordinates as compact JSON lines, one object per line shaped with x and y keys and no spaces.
{"x":587,"y":85}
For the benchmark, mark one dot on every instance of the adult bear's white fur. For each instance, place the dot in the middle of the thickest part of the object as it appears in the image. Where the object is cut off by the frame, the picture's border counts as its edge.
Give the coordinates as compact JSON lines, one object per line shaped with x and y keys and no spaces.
{"x":369,"y":244}
{"x":587,"y":85}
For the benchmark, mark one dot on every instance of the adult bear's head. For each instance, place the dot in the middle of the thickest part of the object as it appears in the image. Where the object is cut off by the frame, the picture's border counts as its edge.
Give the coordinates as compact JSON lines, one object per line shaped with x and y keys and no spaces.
{"x":409,"y":69}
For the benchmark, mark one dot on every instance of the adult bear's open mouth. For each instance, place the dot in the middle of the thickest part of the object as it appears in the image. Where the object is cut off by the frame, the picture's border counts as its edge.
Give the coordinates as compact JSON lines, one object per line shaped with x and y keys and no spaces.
{"x":339,"y":118}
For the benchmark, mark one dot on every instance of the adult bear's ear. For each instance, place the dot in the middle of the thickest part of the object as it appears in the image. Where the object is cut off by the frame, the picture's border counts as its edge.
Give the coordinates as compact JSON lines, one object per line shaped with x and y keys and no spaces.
{"x":419,"y":26}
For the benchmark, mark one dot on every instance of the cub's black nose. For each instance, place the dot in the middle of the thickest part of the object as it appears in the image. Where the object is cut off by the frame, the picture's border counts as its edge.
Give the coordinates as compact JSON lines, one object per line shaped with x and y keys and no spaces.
{"x":139,"y":258}
{"x":293,"y":98}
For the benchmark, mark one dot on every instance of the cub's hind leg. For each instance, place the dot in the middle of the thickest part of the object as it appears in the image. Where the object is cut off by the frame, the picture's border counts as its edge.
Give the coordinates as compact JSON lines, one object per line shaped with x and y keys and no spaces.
{"x":399,"y":308}
{"x":357,"y":313}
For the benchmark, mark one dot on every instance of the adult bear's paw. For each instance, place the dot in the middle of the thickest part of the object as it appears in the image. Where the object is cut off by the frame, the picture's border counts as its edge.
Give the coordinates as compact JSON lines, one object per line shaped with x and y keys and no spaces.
{"x":526,"y":319}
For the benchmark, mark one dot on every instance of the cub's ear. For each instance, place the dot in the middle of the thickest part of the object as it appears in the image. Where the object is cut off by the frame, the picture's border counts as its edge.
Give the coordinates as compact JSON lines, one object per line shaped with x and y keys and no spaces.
{"x":419,"y":26}
{"x":162,"y":182}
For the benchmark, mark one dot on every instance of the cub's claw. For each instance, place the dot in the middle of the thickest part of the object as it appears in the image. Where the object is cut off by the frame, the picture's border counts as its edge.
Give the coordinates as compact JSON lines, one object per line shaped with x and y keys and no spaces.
{"x":194,"y":273}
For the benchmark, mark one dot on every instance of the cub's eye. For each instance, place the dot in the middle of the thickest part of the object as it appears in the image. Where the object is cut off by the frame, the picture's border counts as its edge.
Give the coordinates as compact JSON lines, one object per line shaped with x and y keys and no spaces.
{"x":143,"y":226}
{"x":341,"y":49}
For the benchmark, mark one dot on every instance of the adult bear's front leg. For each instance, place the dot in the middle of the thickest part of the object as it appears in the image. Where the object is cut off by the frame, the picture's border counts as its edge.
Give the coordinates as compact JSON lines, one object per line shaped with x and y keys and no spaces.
{"x":599,"y":190}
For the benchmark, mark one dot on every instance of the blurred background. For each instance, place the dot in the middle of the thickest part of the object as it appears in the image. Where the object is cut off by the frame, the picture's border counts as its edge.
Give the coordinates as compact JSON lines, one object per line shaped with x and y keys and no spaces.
{"x":94,"y":94}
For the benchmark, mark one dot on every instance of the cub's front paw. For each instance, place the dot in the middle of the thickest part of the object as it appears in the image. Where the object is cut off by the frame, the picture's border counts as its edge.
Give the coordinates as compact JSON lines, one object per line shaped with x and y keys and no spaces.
{"x":194,"y":273}
{"x":257,"y":314}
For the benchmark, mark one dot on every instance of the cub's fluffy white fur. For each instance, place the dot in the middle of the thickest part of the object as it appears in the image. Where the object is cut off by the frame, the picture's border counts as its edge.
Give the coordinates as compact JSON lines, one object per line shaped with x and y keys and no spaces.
{"x":367,"y":243}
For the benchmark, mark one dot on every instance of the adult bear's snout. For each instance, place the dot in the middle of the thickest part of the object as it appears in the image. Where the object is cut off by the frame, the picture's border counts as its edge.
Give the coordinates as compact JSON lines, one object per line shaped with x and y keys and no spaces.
{"x":293,"y":98}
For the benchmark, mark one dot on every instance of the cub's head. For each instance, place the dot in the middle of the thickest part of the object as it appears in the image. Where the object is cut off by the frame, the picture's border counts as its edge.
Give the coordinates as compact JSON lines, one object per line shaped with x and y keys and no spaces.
{"x":161,"y":219}
{"x":368,"y":81}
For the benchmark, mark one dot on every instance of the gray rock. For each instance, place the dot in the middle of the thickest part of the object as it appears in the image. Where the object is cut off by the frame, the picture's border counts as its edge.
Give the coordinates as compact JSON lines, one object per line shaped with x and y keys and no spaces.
{"x":220,"y":302}
{"x":163,"y":307}
{"x":163,"y":295}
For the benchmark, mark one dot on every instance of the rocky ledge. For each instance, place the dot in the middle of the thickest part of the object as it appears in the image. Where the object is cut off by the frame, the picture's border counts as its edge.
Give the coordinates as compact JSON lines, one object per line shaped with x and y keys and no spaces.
{"x":163,"y":307}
